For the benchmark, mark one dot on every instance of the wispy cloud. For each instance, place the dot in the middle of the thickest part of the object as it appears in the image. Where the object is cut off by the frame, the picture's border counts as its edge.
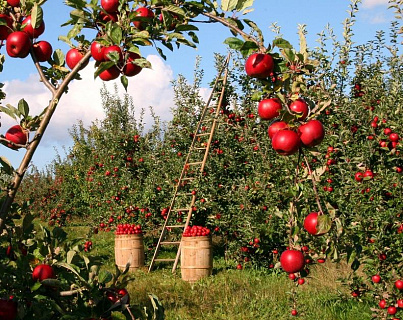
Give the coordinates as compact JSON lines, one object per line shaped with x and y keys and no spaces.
{"x":368,"y":4}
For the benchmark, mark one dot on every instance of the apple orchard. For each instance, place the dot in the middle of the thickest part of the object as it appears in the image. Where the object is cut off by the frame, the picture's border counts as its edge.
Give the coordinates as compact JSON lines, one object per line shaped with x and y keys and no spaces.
{"x":304,"y":167}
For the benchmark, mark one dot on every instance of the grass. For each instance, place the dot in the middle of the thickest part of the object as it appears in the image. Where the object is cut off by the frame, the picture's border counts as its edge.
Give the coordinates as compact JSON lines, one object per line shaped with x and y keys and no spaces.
{"x":238,"y":294}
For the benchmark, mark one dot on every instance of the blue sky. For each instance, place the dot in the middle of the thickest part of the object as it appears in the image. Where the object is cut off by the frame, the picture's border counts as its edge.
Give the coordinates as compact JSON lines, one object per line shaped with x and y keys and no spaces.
{"x":153,"y":87}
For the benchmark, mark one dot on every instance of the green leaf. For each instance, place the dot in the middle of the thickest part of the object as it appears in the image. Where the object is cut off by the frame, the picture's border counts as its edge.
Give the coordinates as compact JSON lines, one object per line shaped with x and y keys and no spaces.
{"x":6,"y":165}
{"x":281,"y":43}
{"x":36,"y":286}
{"x":116,"y":34}
{"x":58,"y":57}
{"x":229,"y":5}
{"x":36,"y":16}
{"x":254,"y":26}
{"x":186,"y":27}
{"x":104,"y":276}
{"x":243,"y":4}
{"x":124,"y":81}
{"x":23,"y":108}
{"x":324,"y":224}
{"x":117,"y":315}
{"x":102,"y":67}
{"x":10,"y":111}
{"x":70,"y":256}
{"x":234,"y":43}
{"x":27,"y":223}
{"x":174,"y":9}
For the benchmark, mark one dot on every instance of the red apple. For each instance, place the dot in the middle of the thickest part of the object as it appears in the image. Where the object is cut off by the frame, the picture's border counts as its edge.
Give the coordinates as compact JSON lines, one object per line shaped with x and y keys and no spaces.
{"x":382,"y":304}
{"x":259,"y":65}
{"x":131,"y":69}
{"x":286,"y":142}
{"x":8,"y":309}
{"x":18,"y":44}
{"x":105,"y":17}
{"x":42,"y":272}
{"x":33,"y":33}
{"x":17,"y":135}
{"x":13,"y":3}
{"x":392,"y":310}
{"x":311,"y":133}
{"x":115,"y":51}
{"x":400,"y":303}
{"x":399,"y":284}
{"x":376,"y":278}
{"x":5,"y":30}
{"x":368,"y":173}
{"x":292,"y":261}
{"x":146,"y":14}
{"x":276,"y":127}
{"x":42,"y":50}
{"x":73,"y":57}
{"x":109,"y":74}
{"x":268,"y":109}
{"x":300,"y":107}
{"x":311,"y":222}
{"x":394,"y":137}
{"x":97,"y":51}
{"x":359,"y":176}
{"x":110,"y":6}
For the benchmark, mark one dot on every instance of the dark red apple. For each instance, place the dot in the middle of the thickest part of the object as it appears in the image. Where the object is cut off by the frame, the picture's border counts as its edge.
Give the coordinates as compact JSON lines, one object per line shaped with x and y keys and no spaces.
{"x":97,"y":51}
{"x":109,"y":74}
{"x":376,"y":278}
{"x":73,"y":57}
{"x":276,"y":127}
{"x":115,"y":50}
{"x":105,"y":17}
{"x":286,"y":142}
{"x":368,"y":173}
{"x":311,"y":133}
{"x":311,"y":222}
{"x":42,"y":272}
{"x":43,"y":50}
{"x":110,"y":6}
{"x":300,"y":107}
{"x":358,"y":176}
{"x":259,"y":65}
{"x":17,"y":135}
{"x":268,"y":109}
{"x":143,"y":12}
{"x":5,"y":30}
{"x":13,"y":3}
{"x":8,"y":309}
{"x":18,"y":44}
{"x":33,"y":33}
{"x":131,"y":69}
{"x":399,"y":284}
{"x":292,"y":261}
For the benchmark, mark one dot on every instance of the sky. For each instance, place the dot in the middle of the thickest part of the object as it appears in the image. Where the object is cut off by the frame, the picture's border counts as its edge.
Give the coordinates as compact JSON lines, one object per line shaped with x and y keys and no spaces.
{"x":153,"y":87}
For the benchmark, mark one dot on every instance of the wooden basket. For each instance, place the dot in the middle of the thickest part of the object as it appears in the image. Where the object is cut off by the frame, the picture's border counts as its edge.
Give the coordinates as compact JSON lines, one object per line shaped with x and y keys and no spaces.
{"x":196,"y":258}
{"x":129,"y":248}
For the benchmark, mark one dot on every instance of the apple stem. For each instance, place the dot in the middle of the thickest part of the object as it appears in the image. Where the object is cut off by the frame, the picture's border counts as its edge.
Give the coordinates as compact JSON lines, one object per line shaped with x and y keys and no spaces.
{"x":315,"y":190}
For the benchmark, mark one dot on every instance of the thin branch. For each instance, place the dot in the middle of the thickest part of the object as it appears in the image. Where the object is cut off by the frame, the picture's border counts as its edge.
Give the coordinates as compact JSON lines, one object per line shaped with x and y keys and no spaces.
{"x":41,"y":74}
{"x":314,"y":185}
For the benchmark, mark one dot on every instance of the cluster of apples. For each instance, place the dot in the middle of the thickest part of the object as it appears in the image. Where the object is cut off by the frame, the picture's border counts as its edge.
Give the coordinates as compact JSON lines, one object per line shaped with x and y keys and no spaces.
{"x":127,"y":228}
{"x":285,"y":140}
{"x":19,"y":35}
{"x":196,"y":231}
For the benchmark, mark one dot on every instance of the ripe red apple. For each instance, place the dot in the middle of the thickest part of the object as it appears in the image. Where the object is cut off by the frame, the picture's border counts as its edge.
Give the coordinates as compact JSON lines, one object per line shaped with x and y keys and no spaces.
{"x":110,"y":6}
{"x":13,"y":3}
{"x":18,"y":44}
{"x":122,"y":293}
{"x":392,"y":310}
{"x":43,"y":50}
{"x":143,"y":12}
{"x":73,"y":57}
{"x":394,"y":137}
{"x":311,"y":222}
{"x":368,"y":173}
{"x":292,"y":261}
{"x":8,"y":309}
{"x":359,"y":176}
{"x":294,"y":312}
{"x":269,"y":108}
{"x":17,"y":135}
{"x":33,"y":33}
{"x":399,"y":284}
{"x":376,"y":278}
{"x":311,"y":133}
{"x":42,"y":272}
{"x":109,"y":74}
{"x":259,"y":65}
{"x":300,"y":107}
{"x":97,"y":51}
{"x":286,"y":142}
{"x":5,"y":30}
{"x":382,"y":304}
{"x":105,"y":17}
{"x":114,"y":50}
{"x":131,"y":69}
{"x":276,"y":127}
{"x":400,"y":303}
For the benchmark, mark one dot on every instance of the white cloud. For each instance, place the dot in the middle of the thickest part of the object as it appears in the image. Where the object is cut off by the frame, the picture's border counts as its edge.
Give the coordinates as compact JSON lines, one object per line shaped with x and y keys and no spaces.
{"x":373,"y":3}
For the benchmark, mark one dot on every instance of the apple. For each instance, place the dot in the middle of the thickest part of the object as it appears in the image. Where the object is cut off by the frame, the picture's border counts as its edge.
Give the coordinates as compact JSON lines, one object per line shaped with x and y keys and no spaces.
{"x":42,"y":272}
{"x":311,"y":133}
{"x":18,"y":44}
{"x":110,"y":74}
{"x":105,"y":17}
{"x":368,"y":173}
{"x":268,"y":109}
{"x":5,"y":30}
{"x":73,"y":57}
{"x":43,"y":50}
{"x":33,"y":33}
{"x":13,"y":3}
{"x":399,"y":284}
{"x":17,"y":135}
{"x":382,"y":304}
{"x":259,"y":65}
{"x":97,"y":51}
{"x":286,"y":142}
{"x":400,"y":303}
{"x":8,"y":309}
{"x":173,"y":24}
{"x":276,"y":127}
{"x":292,"y":261}
{"x":394,"y":137}
{"x":359,"y":176}
{"x":311,"y":222}
{"x":300,"y":107}
{"x":123,"y":293}
{"x":294,"y":312}
{"x":301,"y":281}
{"x":131,"y":69}
{"x":144,"y":13}
{"x":114,"y":50}
{"x":110,"y":6}
{"x":376,"y":278}
{"x":392,"y":310}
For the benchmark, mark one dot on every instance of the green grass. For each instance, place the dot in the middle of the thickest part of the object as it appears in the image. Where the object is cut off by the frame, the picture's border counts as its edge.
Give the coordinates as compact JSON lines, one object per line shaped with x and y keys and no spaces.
{"x":247,"y":294}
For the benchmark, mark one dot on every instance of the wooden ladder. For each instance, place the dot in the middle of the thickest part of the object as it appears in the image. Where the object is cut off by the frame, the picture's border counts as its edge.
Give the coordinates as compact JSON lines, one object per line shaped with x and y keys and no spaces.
{"x":196,"y":158}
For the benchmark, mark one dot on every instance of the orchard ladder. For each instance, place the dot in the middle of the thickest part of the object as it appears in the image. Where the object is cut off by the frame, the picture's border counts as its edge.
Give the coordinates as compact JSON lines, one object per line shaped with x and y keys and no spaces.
{"x":196,"y":158}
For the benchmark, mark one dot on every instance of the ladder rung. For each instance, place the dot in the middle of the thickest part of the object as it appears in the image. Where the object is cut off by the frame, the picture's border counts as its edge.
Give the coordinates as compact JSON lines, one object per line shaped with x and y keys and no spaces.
{"x":176,"y":226}
{"x":195,"y":163}
{"x":202,"y":134}
{"x":170,"y":242}
{"x":200,"y":148}
{"x":186,"y":179}
{"x":164,"y":260}
{"x":183,"y":209}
